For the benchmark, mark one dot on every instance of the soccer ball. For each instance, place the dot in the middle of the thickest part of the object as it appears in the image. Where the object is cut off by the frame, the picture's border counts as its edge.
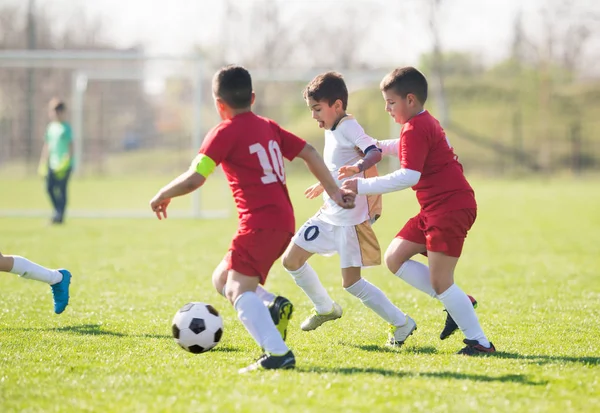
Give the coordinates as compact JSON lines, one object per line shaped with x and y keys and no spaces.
{"x":197,"y":327}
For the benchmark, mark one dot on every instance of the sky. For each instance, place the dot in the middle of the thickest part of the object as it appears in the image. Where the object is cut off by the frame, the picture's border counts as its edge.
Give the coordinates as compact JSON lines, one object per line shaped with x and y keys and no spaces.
{"x":173,"y":27}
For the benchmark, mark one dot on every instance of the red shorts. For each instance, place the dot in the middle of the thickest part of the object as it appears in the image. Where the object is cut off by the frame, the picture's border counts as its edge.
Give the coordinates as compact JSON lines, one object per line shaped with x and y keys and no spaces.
{"x":445,"y":232}
{"x":253,"y":252}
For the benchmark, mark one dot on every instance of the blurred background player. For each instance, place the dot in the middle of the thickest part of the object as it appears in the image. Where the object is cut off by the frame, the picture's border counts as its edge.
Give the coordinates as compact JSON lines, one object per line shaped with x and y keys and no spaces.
{"x":334,"y":229}
{"x":59,"y":280}
{"x":250,"y":149}
{"x":448,"y":207}
{"x":56,"y":160}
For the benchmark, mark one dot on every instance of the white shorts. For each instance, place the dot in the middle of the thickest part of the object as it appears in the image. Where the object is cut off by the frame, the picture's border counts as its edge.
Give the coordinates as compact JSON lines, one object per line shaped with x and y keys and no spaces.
{"x":357,"y":245}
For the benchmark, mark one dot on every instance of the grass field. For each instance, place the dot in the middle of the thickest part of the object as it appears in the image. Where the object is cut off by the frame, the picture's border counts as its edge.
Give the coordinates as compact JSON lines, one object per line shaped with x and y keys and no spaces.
{"x":532,"y":262}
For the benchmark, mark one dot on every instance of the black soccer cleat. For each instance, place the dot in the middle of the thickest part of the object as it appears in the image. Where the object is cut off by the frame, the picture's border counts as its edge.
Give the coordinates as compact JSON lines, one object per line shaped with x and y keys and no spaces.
{"x":450,"y":327}
{"x":281,"y":310}
{"x":473,"y":348}
{"x":272,"y":362}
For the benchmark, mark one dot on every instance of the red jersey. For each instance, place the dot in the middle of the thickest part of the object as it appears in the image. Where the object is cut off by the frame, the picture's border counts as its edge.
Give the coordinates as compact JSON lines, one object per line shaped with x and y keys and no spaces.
{"x":425,"y":148}
{"x":250,"y":149}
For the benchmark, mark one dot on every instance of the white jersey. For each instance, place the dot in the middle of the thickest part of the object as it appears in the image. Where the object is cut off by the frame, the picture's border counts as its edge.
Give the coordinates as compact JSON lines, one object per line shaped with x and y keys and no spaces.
{"x":340,"y":145}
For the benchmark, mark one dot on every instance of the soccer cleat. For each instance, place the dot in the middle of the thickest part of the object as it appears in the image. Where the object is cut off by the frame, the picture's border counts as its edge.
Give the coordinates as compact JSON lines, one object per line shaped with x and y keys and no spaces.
{"x":398,"y":334}
{"x":272,"y":362}
{"x":473,"y":348}
{"x":281,"y":310}
{"x":60,"y":292}
{"x":450,"y":327}
{"x":316,"y":320}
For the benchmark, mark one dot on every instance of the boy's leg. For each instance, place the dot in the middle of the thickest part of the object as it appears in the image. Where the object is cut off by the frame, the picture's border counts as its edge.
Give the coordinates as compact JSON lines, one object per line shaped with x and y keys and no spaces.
{"x":59,"y":280}
{"x":256,"y":319}
{"x":313,"y":237}
{"x":51,"y":189}
{"x":456,"y":302}
{"x":401,"y":325}
{"x":280,"y":308}
{"x":61,"y":197}
{"x":397,"y":258}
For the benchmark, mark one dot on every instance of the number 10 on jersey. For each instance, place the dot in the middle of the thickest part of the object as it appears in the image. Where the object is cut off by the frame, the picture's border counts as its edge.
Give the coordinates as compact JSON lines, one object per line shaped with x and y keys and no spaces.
{"x":273,"y":168}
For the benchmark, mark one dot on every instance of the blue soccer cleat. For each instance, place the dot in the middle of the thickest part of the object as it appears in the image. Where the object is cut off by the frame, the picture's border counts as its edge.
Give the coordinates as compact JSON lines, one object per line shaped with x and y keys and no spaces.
{"x":60,"y":292}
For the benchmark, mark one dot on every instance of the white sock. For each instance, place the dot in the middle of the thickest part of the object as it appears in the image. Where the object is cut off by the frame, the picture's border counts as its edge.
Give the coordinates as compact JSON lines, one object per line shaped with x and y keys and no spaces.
{"x":30,"y":270}
{"x":266,"y":296}
{"x":307,"y":279}
{"x":461,"y":309}
{"x":377,"y":301}
{"x":417,"y":275}
{"x":257,"y":320}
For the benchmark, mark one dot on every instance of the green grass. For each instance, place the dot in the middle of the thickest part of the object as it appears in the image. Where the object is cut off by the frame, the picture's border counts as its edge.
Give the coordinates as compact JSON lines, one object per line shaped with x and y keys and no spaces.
{"x":531,"y":260}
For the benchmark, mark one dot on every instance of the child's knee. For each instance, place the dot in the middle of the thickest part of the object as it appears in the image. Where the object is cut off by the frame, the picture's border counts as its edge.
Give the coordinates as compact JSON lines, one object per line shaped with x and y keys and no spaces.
{"x":292,"y":261}
{"x":393,"y":261}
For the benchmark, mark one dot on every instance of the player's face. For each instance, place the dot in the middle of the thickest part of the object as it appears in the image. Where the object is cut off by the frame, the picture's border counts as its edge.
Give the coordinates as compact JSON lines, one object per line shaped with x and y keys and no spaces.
{"x":325,"y":115}
{"x":399,"y":108}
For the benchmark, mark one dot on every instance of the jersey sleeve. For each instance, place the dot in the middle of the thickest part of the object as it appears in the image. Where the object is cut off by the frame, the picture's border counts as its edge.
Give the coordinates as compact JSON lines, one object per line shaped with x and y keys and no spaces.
{"x":413,"y":149}
{"x":356,"y":135}
{"x":291,"y":145}
{"x":216,"y":145}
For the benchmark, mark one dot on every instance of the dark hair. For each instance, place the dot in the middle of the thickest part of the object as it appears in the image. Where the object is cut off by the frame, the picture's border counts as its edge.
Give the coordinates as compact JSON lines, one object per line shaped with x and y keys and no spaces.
{"x":328,"y":86}
{"x":233,"y":85}
{"x":57,"y":105}
{"x":405,"y":80}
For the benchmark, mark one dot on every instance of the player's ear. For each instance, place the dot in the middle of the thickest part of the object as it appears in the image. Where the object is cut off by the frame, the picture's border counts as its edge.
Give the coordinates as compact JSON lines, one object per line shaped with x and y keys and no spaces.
{"x":411,"y":99}
{"x":252,"y":99}
{"x":338,"y":105}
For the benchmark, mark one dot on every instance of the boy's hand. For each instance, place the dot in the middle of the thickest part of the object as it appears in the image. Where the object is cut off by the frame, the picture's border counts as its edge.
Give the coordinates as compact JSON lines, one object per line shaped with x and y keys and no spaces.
{"x":344,"y":198}
{"x":347,"y":171}
{"x":351,"y":185}
{"x":314,"y":191}
{"x":159,"y":205}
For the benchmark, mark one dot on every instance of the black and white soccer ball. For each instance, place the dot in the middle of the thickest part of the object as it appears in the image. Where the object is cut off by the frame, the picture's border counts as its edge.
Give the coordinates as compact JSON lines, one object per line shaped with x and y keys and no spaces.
{"x":197,"y":327}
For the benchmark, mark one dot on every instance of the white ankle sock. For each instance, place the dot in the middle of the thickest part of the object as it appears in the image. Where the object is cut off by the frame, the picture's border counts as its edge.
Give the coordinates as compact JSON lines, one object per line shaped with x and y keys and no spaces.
{"x":30,"y":270}
{"x":461,"y":309}
{"x":377,"y":301}
{"x":266,"y":296}
{"x":257,"y":320}
{"x":307,"y":279}
{"x":417,"y":275}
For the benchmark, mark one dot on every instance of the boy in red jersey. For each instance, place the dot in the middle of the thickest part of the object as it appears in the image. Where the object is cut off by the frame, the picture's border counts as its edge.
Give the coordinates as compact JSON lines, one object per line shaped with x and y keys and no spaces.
{"x":250,"y":149}
{"x":448,"y":207}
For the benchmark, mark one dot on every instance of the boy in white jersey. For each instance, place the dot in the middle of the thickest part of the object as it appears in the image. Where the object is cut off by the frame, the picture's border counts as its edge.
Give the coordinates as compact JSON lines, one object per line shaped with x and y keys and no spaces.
{"x":333,"y":229}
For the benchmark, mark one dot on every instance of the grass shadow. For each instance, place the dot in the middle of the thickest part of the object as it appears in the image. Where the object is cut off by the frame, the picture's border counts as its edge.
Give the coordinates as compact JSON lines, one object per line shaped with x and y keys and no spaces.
{"x":544,"y":359}
{"x":92,"y":330}
{"x":386,"y":349}
{"x":512,"y":378}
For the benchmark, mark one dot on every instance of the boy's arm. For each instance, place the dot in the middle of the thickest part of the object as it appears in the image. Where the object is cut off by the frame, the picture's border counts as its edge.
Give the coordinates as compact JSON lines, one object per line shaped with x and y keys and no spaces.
{"x":202,"y":166}
{"x":413,"y":150}
{"x":318,"y":168}
{"x":389,"y":146}
{"x":395,"y":181}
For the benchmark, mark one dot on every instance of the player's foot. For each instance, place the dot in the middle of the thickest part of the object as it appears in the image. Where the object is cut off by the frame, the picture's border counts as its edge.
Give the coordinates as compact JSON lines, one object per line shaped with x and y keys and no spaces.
{"x":60,"y":292}
{"x":281,"y":310}
{"x":316,"y":320}
{"x":450,"y":327}
{"x":398,"y":335}
{"x":272,"y":362}
{"x":473,"y":348}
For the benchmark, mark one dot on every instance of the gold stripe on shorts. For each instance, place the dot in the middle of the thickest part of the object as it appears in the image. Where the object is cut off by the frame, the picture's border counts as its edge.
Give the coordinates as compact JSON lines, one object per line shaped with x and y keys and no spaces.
{"x":370,"y":252}
{"x":374,"y":201}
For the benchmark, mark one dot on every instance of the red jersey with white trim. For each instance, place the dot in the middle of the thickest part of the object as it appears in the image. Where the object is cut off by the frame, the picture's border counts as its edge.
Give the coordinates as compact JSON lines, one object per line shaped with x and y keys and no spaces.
{"x":250,"y":149}
{"x":425,"y":148}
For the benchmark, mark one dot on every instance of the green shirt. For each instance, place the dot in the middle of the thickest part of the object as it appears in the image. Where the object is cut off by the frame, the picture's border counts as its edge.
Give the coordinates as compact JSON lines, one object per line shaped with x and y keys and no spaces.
{"x":58,"y":138}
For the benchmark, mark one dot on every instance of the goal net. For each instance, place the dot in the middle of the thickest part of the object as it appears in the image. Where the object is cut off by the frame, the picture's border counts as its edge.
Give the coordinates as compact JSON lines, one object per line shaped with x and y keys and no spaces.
{"x":137,"y":122}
